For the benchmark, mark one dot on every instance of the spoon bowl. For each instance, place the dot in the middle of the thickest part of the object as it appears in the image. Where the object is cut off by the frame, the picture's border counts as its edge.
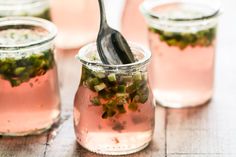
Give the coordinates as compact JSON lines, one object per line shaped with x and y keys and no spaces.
{"x":112,"y":46}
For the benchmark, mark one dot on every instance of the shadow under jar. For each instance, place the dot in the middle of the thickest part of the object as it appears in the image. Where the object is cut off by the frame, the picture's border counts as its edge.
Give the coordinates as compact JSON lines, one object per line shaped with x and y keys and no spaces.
{"x":182,"y":38}
{"x":29,"y":94}
{"x":113,"y":108}
{"x":35,"y":8}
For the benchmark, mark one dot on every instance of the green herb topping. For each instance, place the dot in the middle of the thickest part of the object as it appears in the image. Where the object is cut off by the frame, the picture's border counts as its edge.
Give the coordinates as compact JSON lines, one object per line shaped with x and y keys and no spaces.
{"x":202,"y":38}
{"x":18,"y":71}
{"x":116,"y":92}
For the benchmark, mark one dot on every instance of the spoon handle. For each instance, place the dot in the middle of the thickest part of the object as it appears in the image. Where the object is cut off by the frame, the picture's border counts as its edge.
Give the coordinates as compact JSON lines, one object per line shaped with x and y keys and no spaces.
{"x":103,"y":19}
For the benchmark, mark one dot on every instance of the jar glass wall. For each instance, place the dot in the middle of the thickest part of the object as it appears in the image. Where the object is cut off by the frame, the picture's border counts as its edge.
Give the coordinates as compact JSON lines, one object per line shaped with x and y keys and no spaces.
{"x":36,"y":8}
{"x":113,"y":108}
{"x":29,"y":94}
{"x":182,"y":38}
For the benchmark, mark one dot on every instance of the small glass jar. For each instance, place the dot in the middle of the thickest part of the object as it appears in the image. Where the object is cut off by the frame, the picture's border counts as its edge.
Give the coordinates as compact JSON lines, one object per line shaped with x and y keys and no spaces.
{"x":182,"y":38}
{"x":35,"y":8}
{"x":29,"y":93}
{"x":113,"y":107}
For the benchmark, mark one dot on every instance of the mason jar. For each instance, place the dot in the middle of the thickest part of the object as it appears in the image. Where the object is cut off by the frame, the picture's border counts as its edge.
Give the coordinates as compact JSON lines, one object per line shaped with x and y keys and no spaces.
{"x":113,"y":107}
{"x":29,"y":94}
{"x":36,"y":8}
{"x":182,"y":38}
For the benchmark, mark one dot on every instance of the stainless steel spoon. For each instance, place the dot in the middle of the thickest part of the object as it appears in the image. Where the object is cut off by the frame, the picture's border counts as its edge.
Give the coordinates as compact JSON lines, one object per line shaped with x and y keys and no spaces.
{"x":111,"y":45}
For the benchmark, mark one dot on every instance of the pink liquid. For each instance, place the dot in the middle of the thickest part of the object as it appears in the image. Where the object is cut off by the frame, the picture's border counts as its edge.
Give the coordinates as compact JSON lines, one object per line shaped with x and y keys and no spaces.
{"x":77,"y":21}
{"x":133,"y":23}
{"x":121,"y":134}
{"x":31,"y":107}
{"x":181,"y":78}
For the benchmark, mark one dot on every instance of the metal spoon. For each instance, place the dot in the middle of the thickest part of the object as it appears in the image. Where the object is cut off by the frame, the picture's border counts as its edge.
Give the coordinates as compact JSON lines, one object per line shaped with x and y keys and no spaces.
{"x":111,"y":45}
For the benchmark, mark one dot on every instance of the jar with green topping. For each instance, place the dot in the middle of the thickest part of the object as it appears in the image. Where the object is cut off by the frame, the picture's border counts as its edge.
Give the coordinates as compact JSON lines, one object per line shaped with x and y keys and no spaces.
{"x":182,"y":38}
{"x":113,"y":107}
{"x":35,"y":8}
{"x":29,"y":93}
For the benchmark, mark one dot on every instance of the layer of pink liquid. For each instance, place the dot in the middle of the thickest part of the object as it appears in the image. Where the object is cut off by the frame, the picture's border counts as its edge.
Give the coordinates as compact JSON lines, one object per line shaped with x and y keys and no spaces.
{"x":101,"y":135}
{"x":181,"y":78}
{"x":31,"y":107}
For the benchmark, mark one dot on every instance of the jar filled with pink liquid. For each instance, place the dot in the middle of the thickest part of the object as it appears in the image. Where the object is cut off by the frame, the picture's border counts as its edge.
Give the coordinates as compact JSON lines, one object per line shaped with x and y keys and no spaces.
{"x":113,"y":107}
{"x":29,"y":94}
{"x":35,"y":8}
{"x":77,"y":22}
{"x":182,"y":38}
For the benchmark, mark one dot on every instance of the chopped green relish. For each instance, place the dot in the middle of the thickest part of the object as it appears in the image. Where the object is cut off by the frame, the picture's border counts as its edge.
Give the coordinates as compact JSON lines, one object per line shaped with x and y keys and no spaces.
{"x":116,"y":92}
{"x":18,"y":71}
{"x":202,"y":38}
{"x":18,"y":68}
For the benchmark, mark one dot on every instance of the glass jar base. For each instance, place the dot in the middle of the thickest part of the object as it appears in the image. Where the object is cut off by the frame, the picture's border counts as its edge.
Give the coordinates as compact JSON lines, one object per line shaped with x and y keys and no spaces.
{"x":176,"y":105}
{"x":170,"y":101}
{"x":33,"y":131}
{"x":116,"y":144}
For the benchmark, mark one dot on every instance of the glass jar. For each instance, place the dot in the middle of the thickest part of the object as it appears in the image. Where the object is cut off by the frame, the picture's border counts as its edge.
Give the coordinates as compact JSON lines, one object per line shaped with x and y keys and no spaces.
{"x":29,"y":94}
{"x":36,"y":8}
{"x":77,"y":22}
{"x":133,"y":23}
{"x":182,"y":38}
{"x":113,"y":107}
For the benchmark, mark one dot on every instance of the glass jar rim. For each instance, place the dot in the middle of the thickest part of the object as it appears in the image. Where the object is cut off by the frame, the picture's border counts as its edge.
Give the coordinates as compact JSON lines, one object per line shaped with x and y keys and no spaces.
{"x":29,"y":21}
{"x":147,"y":6}
{"x":20,"y":2}
{"x":135,"y":47}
